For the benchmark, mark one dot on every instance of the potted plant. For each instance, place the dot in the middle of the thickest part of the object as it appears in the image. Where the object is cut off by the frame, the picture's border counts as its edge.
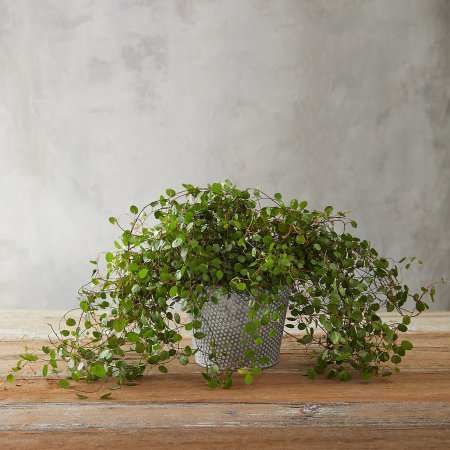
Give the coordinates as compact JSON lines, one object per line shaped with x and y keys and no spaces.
{"x":235,"y":261}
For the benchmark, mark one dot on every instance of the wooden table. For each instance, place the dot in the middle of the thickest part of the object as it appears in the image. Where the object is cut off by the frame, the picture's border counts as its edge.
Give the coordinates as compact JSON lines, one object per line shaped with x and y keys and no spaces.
{"x":283,"y":409}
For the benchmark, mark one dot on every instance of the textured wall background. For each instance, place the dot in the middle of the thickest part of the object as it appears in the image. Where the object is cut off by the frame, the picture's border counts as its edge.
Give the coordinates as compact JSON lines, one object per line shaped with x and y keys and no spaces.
{"x":106,"y":103}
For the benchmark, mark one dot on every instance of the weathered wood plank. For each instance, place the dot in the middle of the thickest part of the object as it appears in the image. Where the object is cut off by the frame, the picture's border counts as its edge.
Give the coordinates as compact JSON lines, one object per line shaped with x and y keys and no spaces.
{"x":141,"y":415}
{"x":386,"y":438}
{"x":271,"y":387}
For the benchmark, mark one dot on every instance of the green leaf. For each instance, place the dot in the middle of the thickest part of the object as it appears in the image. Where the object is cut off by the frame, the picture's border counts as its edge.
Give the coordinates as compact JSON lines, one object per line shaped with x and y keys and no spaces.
{"x":367,"y":376}
{"x":228,"y":382}
{"x":118,"y":325}
{"x":140,"y":347}
{"x":143,"y":273}
{"x":420,"y":306}
{"x":407,"y":345}
{"x":113,"y":220}
{"x":184,"y":360}
{"x":84,"y":306}
{"x":163,"y":369}
{"x":45,"y":370}
{"x":219,"y":274}
{"x":248,"y":378}
{"x":248,"y":354}
{"x":105,"y":353}
{"x":199,"y":335}
{"x":170,"y":192}
{"x":98,"y":370}
{"x":106,"y":396}
{"x":82,"y":396}
{"x":213,"y":383}
{"x":335,"y":298}
{"x":312,"y":374}
{"x":29,"y":357}
{"x":432,"y":293}
{"x":109,"y":257}
{"x":76,"y":376}
{"x":317,"y":246}
{"x":132,"y":337}
{"x":133,"y":267}
{"x":173,"y":291}
{"x":331,"y":375}
{"x":345,"y":376}
{"x":134,"y":209}
{"x":278,"y":196}
{"x":241,"y":286}
{"x":71,"y":322}
{"x":335,"y":337}
{"x":64,"y":384}
{"x":216,"y":188}
{"x":177,"y":242}
{"x":10,"y":378}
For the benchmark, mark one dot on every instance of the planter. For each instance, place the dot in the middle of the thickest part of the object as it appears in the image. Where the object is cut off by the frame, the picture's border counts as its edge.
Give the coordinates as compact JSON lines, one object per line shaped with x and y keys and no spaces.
{"x":223,"y":325}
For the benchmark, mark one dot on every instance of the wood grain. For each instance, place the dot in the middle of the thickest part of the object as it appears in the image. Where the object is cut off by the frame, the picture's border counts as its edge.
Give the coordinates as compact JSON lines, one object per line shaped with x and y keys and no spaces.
{"x":270,"y":438}
{"x":143,"y":415}
{"x":271,"y":387}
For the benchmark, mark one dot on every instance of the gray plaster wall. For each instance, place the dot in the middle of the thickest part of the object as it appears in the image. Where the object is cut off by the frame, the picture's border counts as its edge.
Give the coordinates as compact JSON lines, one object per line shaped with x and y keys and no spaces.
{"x":106,"y":103}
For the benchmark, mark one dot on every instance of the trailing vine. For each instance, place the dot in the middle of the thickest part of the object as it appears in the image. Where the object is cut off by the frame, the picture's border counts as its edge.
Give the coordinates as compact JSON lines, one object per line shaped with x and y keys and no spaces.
{"x":193,"y":246}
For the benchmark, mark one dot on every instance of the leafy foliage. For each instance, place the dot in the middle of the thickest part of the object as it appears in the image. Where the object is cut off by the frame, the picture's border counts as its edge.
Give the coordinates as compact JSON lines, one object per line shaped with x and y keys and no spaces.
{"x":189,"y":247}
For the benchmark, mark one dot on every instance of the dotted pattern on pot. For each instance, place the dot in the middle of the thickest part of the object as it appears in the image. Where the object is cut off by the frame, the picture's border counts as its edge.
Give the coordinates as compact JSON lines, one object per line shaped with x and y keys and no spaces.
{"x":222,"y":324}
